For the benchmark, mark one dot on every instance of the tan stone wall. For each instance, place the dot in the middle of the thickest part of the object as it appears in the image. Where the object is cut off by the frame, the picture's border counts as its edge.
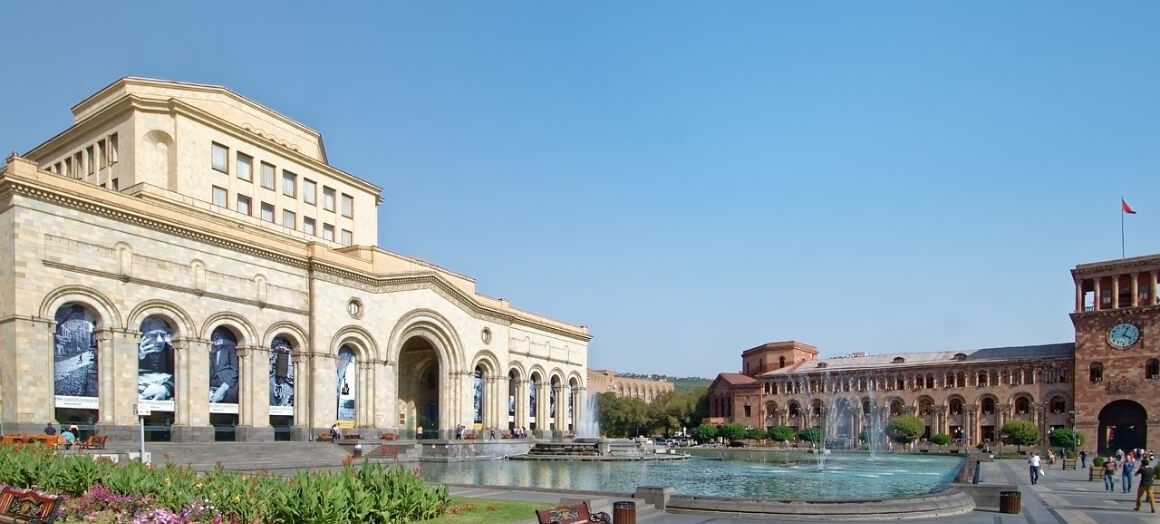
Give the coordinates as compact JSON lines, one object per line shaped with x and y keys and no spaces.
{"x":602,"y":381}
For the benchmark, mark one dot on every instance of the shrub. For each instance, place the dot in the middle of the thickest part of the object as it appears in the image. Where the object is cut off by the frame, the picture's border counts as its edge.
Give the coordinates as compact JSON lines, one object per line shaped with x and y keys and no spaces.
{"x":1021,"y":433}
{"x":941,"y":439}
{"x":1098,"y":462}
{"x":905,"y":429}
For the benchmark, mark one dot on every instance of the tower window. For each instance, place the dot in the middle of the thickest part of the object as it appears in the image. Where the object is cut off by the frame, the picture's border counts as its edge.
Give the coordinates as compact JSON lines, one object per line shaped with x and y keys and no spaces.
{"x":1096,"y":372}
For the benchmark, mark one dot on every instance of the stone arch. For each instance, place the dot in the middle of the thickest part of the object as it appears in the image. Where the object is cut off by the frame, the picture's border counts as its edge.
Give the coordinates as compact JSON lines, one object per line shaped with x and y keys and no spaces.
{"x":924,"y":405}
{"x":182,"y":324}
{"x":159,"y":156}
{"x":293,"y":332}
{"x":433,"y":327}
{"x":361,"y":339}
{"x":107,"y":316}
{"x":956,"y":404}
{"x":793,"y":408}
{"x":433,"y":376}
{"x":1022,"y":403}
{"x":488,"y":360}
{"x":242,"y":327}
{"x":1123,"y":424}
{"x":1057,"y":402}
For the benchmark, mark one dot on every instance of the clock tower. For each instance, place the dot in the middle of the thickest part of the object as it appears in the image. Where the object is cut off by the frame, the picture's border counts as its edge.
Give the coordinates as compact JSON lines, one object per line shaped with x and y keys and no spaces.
{"x":1117,"y":354}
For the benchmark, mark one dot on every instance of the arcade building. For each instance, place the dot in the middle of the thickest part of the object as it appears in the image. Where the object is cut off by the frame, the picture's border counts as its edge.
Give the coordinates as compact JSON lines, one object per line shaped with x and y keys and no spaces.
{"x":1104,"y":384}
{"x":187,"y":254}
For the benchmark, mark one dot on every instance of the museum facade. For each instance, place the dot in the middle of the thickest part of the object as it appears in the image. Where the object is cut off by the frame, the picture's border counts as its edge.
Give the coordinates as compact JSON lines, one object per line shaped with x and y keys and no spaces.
{"x":185,"y":253}
{"x":1102,"y":384}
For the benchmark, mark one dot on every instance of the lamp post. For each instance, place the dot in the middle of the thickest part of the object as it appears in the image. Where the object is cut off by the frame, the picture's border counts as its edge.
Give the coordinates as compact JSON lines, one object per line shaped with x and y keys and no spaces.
{"x":1074,"y":437}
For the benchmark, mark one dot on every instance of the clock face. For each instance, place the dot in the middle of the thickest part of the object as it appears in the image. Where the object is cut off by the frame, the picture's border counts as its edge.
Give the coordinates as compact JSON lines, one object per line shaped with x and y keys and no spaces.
{"x":1123,"y":335}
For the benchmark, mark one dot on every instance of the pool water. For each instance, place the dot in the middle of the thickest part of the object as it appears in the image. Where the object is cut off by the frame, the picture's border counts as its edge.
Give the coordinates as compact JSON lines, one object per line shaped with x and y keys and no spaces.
{"x":777,"y":475}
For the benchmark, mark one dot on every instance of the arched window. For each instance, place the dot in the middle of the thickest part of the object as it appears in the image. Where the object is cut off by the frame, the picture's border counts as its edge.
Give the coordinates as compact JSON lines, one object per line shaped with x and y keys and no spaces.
{"x":899,"y":360}
{"x":817,"y":407}
{"x":1022,"y":405}
{"x":925,"y":407}
{"x":949,"y":380}
{"x":223,"y":367}
{"x":956,"y":406}
{"x":929,"y":380}
{"x":1096,"y":372}
{"x":981,"y":378}
{"x":866,"y":406}
{"x":75,"y":355}
{"x":780,"y":362}
{"x":281,"y":377}
{"x":895,"y":407}
{"x":477,"y":399}
{"x":155,"y":363}
{"x":794,"y":409}
{"x":1152,"y":368}
{"x":988,"y":405}
{"x":961,"y":380}
{"x":1058,"y":404}
{"x":900,"y":383}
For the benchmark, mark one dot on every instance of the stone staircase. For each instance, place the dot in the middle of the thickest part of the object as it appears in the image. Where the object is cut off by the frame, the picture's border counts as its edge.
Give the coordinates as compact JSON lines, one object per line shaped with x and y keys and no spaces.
{"x":273,"y":456}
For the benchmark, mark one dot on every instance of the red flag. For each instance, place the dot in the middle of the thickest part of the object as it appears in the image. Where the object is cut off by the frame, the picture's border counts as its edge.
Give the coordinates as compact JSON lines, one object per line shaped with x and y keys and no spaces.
{"x":1126,"y":208}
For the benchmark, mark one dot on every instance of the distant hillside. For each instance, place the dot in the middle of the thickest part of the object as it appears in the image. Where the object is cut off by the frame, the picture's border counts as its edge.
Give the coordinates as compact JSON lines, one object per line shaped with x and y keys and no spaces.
{"x":682,"y":384}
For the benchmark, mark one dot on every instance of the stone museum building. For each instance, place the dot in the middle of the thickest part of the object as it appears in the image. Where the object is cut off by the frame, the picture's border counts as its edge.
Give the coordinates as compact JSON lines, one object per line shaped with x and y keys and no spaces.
{"x":187,"y":252}
{"x":1104,"y":384}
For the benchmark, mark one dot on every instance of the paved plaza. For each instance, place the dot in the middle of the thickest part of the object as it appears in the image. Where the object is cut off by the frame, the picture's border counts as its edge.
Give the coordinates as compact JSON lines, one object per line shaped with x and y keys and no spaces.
{"x":1065,"y":497}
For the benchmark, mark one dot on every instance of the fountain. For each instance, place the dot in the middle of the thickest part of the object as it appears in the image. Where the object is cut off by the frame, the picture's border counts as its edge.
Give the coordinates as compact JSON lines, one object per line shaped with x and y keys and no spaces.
{"x":589,"y":444}
{"x":588,"y":426}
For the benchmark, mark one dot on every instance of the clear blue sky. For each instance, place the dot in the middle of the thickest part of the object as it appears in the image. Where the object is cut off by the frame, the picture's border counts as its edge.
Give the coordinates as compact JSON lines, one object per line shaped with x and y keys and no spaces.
{"x":691,"y":179}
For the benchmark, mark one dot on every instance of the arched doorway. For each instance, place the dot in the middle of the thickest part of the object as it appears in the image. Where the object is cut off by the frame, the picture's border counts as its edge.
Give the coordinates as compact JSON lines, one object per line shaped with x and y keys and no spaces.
{"x":1123,"y":425}
{"x":281,"y":387}
{"x":346,"y":387}
{"x":478,"y":400}
{"x":223,"y":383}
{"x":419,"y":372}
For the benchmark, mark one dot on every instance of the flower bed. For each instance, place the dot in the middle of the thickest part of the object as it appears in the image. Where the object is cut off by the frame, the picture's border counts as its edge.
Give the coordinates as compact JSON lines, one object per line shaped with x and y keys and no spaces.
{"x":101,"y":491}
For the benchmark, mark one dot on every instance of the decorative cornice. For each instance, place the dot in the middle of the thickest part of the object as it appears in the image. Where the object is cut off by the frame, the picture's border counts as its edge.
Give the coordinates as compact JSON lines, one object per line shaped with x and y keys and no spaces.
{"x":370,"y":283}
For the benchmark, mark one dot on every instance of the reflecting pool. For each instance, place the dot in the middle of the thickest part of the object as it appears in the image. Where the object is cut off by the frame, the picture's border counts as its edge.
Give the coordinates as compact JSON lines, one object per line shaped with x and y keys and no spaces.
{"x":778,"y":475}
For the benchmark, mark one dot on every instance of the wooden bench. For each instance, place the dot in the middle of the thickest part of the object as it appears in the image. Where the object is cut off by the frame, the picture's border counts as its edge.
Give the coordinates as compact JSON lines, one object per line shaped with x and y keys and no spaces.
{"x":352,"y":436}
{"x":18,"y":505}
{"x":571,"y":514}
{"x":93,"y":442}
{"x":388,"y":436}
{"x":323,"y":437}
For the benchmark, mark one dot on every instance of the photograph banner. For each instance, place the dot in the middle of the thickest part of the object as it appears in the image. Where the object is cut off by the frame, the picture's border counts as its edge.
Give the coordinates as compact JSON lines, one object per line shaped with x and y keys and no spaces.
{"x":281,"y":378}
{"x":223,"y":370}
{"x":478,"y":403}
{"x":346,"y":386}
{"x":75,"y":358}
{"x":155,"y":384}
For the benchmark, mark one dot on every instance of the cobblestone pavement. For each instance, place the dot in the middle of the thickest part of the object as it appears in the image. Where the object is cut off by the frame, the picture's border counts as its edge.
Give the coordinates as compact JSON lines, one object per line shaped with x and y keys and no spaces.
{"x":1060,"y":497}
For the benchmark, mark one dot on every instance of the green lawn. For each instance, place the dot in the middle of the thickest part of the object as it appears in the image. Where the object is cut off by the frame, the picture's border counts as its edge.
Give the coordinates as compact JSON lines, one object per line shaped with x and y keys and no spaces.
{"x":484,"y":511}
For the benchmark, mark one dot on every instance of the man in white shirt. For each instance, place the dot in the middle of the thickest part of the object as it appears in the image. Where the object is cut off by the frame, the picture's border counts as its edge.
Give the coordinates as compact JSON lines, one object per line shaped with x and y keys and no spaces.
{"x":1034,"y":461}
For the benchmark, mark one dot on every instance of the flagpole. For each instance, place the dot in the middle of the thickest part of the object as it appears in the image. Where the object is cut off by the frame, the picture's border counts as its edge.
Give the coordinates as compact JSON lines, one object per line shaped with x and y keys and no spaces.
{"x":1122,"y":227}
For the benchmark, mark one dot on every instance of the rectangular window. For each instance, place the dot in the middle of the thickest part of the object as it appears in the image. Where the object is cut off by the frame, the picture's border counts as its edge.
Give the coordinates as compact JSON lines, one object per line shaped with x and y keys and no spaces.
{"x":79,"y":164}
{"x":328,"y":232}
{"x":328,"y":198}
{"x":288,"y":219}
{"x":116,"y":184}
{"x":267,"y":212}
{"x":90,"y":159}
{"x":289,"y":183}
{"x":113,"y":149}
{"x":57,"y":169}
{"x":308,"y":189}
{"x":308,"y":225}
{"x":219,"y":196}
{"x":245,"y":167}
{"x":68,"y":169}
{"x":347,"y":205}
{"x":347,"y":237}
{"x":101,"y":153}
{"x":244,"y":205}
{"x":267,"y":176}
{"x":221,"y":158}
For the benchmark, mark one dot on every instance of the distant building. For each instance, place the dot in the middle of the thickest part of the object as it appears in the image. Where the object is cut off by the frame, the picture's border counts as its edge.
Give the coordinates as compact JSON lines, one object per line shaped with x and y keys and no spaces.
{"x":1099,"y":384}
{"x":604,"y":381}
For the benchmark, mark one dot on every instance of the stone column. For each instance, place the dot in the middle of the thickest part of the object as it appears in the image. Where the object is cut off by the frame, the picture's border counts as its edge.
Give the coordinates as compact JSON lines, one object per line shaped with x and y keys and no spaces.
{"x":1135,"y":290}
{"x":365,"y":401}
{"x":1116,"y":292}
{"x":302,"y":425}
{"x":1079,"y":295}
{"x":1152,"y":298}
{"x":191,"y":400}
{"x":1098,"y":302}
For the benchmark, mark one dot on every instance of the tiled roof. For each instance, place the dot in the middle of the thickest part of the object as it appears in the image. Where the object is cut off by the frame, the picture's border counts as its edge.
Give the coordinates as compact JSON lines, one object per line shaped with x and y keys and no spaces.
{"x":911,"y":360}
{"x":736,"y":378}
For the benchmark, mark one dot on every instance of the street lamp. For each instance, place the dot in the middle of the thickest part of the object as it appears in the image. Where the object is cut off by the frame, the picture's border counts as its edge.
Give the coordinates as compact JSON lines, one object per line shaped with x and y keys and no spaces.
{"x":1074,"y":439}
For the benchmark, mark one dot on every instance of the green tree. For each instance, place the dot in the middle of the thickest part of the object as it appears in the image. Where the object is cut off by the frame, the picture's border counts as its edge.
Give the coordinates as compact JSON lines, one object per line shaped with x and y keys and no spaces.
{"x":1066,"y":439}
{"x":941,"y":439}
{"x":781,"y":433}
{"x":704,"y":433}
{"x":814,"y":435}
{"x":1021,"y":433}
{"x":755,"y":433}
{"x":622,"y":416}
{"x":905,"y":429}
{"x":732,"y":431}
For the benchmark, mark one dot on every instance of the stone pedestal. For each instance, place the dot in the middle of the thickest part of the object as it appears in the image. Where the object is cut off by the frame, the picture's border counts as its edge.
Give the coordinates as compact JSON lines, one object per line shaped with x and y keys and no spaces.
{"x":255,"y":434}
{"x":192,"y":433}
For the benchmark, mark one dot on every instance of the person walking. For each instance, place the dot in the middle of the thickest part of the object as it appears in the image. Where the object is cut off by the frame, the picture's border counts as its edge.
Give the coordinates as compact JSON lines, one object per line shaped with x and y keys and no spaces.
{"x":1083,"y":459}
{"x":1110,"y":474}
{"x":1035,"y":462}
{"x":1129,"y":467}
{"x":1147,"y":475}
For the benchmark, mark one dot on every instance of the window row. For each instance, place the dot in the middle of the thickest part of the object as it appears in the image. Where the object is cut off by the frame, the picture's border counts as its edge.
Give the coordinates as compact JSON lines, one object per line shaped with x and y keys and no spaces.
{"x":244,"y":169}
{"x":981,"y":378}
{"x":87,"y":160}
{"x":266,"y":211}
{"x":1151,"y":370}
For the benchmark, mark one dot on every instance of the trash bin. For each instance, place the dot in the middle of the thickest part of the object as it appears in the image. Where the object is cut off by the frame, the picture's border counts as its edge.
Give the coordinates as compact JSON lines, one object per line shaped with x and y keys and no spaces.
{"x":358,"y":451}
{"x":1010,"y":502}
{"x":624,"y":512}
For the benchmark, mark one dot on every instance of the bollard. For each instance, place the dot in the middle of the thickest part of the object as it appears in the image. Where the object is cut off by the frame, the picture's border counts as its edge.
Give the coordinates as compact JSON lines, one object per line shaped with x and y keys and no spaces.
{"x":358,"y":451}
{"x":978,"y":475}
{"x":624,"y":512}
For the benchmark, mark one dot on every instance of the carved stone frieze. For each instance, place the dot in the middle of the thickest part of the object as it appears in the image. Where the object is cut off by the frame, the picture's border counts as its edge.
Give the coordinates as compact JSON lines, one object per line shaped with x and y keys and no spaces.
{"x":1120,"y":387}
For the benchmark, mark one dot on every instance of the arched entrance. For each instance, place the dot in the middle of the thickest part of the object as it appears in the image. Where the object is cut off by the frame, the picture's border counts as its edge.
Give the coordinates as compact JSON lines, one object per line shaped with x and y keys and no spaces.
{"x":419,"y":384}
{"x":1123,"y":425}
